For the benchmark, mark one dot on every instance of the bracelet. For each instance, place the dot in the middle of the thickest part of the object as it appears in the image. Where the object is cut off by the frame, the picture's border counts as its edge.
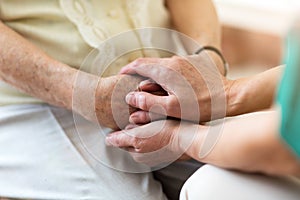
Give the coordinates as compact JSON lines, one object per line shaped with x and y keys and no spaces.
{"x":217,"y":51}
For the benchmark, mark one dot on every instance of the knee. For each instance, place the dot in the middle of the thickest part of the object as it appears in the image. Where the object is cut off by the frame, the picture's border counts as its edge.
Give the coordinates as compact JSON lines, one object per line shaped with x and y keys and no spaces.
{"x":199,"y":185}
{"x":211,"y":182}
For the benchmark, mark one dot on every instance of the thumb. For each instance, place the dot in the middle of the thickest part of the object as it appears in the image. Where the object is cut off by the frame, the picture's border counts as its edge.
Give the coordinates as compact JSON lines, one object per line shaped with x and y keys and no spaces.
{"x":131,"y":68}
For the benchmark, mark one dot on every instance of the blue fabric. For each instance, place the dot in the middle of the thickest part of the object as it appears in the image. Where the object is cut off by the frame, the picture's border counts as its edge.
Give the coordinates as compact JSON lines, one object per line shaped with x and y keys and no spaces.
{"x":289,"y":94}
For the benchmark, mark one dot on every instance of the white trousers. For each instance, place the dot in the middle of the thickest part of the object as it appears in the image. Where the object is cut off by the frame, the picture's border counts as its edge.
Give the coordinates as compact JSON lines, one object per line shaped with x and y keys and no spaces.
{"x":212,"y":183}
{"x":40,"y":158}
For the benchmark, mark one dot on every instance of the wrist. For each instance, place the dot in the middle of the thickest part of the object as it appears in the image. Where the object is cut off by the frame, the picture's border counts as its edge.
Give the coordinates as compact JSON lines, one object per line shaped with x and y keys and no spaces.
{"x":241,"y":97}
{"x":218,"y":62}
{"x":84,"y":88}
{"x":197,"y":149}
{"x":217,"y":57}
{"x":190,"y":139}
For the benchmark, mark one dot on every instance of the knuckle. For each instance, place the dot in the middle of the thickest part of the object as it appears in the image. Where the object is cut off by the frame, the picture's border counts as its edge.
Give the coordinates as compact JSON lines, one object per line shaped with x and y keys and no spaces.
{"x":135,"y":142}
{"x":175,"y":57}
{"x":171,"y":104}
{"x":178,"y":59}
{"x":117,"y":141}
{"x":138,"y":61}
{"x":144,"y":117}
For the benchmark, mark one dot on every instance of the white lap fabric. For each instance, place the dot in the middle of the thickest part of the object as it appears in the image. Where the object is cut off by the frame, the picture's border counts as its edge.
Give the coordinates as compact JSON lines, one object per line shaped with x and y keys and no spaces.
{"x":212,"y":183}
{"x":41,"y":158}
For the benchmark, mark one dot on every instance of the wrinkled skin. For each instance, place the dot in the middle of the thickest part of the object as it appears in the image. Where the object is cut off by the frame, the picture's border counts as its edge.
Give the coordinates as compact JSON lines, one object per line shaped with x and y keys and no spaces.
{"x":193,"y":84}
{"x":111,"y":109}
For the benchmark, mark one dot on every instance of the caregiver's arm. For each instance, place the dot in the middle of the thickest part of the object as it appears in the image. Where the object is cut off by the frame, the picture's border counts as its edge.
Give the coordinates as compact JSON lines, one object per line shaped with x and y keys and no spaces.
{"x":242,"y":95}
{"x":198,"y":19}
{"x":253,"y":93}
{"x":249,"y":143}
{"x":29,"y":69}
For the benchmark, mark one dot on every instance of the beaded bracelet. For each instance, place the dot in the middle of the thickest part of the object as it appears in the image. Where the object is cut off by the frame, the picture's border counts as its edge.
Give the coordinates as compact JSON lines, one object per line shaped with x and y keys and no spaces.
{"x":217,"y":51}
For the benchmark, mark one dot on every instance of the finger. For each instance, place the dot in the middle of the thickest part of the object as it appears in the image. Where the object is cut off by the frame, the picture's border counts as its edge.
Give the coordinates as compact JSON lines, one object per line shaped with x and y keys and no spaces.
{"x":161,"y":92}
{"x":153,"y":158}
{"x":131,"y":67}
{"x":145,"y":101}
{"x":164,"y":105}
{"x":119,"y":139}
{"x":130,"y":139}
{"x":152,"y":68}
{"x":143,"y":117}
{"x":131,"y":126}
{"x":149,"y":86}
{"x":152,"y":87}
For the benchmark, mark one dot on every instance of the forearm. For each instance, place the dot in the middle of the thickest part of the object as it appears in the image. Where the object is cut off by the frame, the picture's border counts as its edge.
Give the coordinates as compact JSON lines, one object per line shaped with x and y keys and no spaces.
{"x":29,"y":69}
{"x":249,"y":143}
{"x":197,"y":19}
{"x":254,"y":93}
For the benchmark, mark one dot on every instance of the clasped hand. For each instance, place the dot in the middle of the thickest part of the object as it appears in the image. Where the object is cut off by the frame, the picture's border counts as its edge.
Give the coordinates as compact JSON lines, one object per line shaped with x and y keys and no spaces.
{"x":195,"y":93}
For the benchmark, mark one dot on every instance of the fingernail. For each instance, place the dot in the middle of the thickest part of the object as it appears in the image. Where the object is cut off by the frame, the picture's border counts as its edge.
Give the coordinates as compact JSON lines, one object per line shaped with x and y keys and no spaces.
{"x":145,"y":82}
{"x":130,"y":98}
{"x":132,"y":118}
{"x":123,"y":70}
{"x":108,"y":141}
{"x":141,"y":101}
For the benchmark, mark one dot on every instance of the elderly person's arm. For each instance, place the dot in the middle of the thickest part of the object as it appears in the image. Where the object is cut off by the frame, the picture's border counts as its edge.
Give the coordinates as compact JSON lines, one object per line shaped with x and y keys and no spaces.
{"x":29,"y":69}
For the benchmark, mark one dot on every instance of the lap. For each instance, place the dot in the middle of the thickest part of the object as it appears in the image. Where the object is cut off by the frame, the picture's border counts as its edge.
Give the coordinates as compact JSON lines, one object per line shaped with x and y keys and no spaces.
{"x":211,"y":183}
{"x":41,"y":158}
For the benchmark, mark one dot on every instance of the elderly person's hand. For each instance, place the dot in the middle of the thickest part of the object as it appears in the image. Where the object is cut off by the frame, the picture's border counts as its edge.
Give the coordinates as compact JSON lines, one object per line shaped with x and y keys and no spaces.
{"x":157,"y":142}
{"x":194,"y":85}
{"x":102,"y":100}
{"x":110,"y":106}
